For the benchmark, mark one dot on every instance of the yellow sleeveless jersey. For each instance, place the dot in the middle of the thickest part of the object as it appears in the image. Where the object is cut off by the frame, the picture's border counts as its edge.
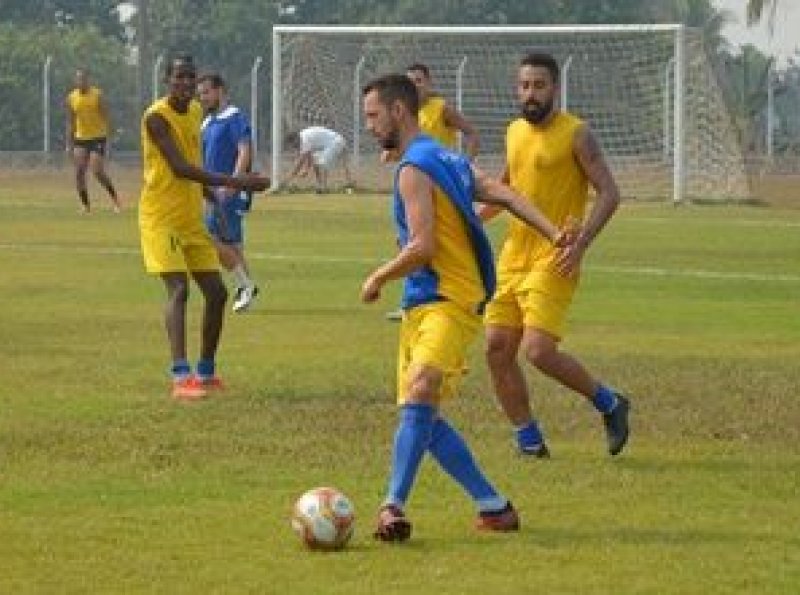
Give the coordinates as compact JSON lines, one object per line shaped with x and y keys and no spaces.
{"x":543,"y":168}
{"x":89,"y":120}
{"x":431,"y":121}
{"x":167,"y":199}
{"x":454,"y":262}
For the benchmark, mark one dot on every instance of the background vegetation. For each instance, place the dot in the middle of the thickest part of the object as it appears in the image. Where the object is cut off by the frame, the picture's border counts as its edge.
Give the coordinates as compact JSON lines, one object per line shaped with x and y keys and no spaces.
{"x":228,"y":36}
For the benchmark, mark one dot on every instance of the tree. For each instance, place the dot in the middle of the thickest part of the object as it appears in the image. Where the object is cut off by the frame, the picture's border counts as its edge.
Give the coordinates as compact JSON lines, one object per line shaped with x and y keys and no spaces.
{"x":757,"y":8}
{"x":23,"y":51}
{"x":102,"y":14}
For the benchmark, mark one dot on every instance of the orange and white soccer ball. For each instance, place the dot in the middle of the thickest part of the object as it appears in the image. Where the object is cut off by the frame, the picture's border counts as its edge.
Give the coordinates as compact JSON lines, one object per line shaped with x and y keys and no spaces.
{"x":324,"y":519}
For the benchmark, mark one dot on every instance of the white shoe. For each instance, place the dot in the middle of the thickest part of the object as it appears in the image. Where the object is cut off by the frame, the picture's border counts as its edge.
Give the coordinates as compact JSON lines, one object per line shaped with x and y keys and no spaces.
{"x":394,"y":315}
{"x":244,"y":297}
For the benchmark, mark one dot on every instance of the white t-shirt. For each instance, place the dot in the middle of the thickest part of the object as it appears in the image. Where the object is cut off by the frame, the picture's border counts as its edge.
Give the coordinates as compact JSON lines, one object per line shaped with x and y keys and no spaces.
{"x":318,"y":138}
{"x":324,"y":144}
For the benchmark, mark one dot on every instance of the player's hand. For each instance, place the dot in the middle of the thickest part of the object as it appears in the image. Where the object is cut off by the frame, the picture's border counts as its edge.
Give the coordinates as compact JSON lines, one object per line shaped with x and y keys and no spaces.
{"x":252,"y":182}
{"x":568,"y":260}
{"x":371,"y":289}
{"x":566,"y":236}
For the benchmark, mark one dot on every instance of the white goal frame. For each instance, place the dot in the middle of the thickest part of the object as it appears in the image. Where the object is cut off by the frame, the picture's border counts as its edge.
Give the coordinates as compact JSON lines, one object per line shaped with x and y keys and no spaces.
{"x":675,"y":70}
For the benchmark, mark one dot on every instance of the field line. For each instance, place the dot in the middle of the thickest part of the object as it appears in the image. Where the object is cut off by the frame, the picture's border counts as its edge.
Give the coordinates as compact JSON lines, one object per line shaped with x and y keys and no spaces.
{"x":619,"y":270}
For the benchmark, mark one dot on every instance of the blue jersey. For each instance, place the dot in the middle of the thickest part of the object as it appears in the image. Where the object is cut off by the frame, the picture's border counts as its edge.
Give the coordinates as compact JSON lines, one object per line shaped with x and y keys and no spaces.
{"x":222,"y":133}
{"x":462,"y":269}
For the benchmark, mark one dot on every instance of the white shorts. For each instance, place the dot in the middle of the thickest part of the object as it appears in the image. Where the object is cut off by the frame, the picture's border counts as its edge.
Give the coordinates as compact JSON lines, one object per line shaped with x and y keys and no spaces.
{"x":327,"y":157}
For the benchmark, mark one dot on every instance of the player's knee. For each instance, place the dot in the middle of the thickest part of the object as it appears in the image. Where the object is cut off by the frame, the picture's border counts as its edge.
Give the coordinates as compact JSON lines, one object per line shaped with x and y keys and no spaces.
{"x":499,"y":351}
{"x":179,"y":294}
{"x":424,"y":385}
{"x":540,"y":354}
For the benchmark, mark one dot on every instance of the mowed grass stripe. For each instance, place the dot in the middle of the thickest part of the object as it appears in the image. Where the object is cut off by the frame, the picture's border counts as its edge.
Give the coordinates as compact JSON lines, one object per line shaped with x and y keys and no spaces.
{"x":622,"y":270}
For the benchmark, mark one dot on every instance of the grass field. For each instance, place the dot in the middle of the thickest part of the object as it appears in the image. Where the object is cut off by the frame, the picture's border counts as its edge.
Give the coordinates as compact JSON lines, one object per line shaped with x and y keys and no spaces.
{"x":107,"y":486}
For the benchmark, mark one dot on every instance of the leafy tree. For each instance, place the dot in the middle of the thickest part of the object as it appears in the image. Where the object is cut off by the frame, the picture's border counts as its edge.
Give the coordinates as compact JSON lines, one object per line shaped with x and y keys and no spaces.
{"x":102,"y":14}
{"x":23,"y":51}
{"x":757,"y":8}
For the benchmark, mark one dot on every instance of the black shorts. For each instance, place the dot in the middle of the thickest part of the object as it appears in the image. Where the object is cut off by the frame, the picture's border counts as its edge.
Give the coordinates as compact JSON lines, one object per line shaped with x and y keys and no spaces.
{"x":92,"y":145}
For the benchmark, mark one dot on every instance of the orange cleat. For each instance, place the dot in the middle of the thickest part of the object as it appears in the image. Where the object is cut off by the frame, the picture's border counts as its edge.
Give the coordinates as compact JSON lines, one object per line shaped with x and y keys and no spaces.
{"x":212,"y":384}
{"x":188,"y":389}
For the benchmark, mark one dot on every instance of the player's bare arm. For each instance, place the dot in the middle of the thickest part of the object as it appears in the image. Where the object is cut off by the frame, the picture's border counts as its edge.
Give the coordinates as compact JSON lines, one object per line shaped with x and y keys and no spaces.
{"x":69,"y":140}
{"x":159,"y":131}
{"x":494,"y":192}
{"x":487,"y":211}
{"x":455,"y":119}
{"x":416,"y":192}
{"x":102,"y":107}
{"x":591,"y":160}
{"x":242,"y":166}
{"x":301,"y":166}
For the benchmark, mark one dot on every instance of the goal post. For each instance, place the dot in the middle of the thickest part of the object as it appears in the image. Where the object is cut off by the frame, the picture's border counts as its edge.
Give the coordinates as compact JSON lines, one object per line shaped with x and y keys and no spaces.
{"x":649,"y":92}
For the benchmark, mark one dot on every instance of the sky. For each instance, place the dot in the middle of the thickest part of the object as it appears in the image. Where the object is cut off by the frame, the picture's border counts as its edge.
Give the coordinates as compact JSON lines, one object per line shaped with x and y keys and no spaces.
{"x":784,"y":40}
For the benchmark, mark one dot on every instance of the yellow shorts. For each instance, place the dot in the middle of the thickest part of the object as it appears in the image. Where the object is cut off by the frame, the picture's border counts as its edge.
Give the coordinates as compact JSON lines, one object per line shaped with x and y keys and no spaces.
{"x":537,"y":300}
{"x":169,"y":250}
{"x":435,"y":335}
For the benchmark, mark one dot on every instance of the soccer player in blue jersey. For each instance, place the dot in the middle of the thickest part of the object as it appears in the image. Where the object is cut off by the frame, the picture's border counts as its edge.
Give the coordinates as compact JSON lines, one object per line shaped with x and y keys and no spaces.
{"x":447,"y":263}
{"x":227,"y":149}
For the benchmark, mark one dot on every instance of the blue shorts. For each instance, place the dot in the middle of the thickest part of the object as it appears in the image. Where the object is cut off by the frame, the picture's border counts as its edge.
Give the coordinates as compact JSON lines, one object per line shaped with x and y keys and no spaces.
{"x":224,"y":218}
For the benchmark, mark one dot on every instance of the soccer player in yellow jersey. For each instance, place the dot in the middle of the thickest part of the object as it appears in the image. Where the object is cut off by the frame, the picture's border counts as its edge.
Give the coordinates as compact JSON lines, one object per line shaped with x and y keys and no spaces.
{"x":437,"y":118}
{"x":175,"y":242}
{"x":552,"y":158}
{"x":448,"y":267}
{"x":440,"y":121}
{"x":87,"y":135}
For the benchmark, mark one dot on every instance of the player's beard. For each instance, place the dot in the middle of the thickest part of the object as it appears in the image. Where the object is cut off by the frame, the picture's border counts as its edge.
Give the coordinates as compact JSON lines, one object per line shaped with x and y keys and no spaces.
{"x":536,"y":113}
{"x":391,"y":142}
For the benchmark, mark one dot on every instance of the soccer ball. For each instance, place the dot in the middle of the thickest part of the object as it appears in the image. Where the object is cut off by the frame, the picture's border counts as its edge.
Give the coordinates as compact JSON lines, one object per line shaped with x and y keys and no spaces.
{"x":323,"y":518}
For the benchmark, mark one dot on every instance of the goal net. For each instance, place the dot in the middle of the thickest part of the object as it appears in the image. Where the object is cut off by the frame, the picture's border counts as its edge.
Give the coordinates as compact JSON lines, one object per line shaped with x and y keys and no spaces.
{"x":649,"y":92}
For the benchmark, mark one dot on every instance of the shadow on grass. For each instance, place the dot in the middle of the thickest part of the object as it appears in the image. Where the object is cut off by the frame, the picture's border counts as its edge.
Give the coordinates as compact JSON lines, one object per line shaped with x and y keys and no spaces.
{"x":332,"y":311}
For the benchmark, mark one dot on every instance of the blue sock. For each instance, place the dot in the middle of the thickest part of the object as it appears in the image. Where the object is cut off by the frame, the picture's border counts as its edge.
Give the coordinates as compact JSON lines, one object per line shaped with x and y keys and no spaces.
{"x":205,"y":368}
{"x":529,"y":437}
{"x":453,"y":455}
{"x":180,"y":369}
{"x":410,"y":442}
{"x":604,"y":399}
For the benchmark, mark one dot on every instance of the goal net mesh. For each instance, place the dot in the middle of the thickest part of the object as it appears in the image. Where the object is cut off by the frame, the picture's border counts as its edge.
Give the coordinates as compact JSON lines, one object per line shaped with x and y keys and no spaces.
{"x":621,"y":82}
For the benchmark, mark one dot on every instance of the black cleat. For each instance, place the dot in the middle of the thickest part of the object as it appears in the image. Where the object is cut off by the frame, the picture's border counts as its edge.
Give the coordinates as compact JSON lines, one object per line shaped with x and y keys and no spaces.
{"x":393,"y":525}
{"x":616,"y":423}
{"x":539,"y":451}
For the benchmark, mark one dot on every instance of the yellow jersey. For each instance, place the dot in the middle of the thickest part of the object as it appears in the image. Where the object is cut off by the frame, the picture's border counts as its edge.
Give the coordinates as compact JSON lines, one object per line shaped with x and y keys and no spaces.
{"x":167,"y":199}
{"x":454,"y":257}
{"x":90,"y":123}
{"x":432,"y":122}
{"x":543,"y":168}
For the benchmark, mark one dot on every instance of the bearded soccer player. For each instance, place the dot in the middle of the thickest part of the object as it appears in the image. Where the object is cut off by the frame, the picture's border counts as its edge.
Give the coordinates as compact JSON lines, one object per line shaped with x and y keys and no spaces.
{"x":87,"y":137}
{"x":446,"y":261}
{"x":175,"y":243}
{"x":552,"y":157}
{"x":227,"y":149}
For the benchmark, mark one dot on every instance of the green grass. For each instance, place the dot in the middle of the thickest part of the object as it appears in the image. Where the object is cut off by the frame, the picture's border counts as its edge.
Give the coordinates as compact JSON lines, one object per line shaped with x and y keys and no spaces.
{"x":107,"y":486}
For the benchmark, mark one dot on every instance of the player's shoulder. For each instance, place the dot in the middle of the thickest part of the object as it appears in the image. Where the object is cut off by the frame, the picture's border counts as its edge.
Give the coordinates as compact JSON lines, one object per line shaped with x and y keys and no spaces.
{"x":231,"y":112}
{"x":572,"y":120}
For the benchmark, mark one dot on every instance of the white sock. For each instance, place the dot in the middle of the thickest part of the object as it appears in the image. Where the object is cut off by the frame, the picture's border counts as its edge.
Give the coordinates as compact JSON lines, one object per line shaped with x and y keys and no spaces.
{"x":239,"y":274}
